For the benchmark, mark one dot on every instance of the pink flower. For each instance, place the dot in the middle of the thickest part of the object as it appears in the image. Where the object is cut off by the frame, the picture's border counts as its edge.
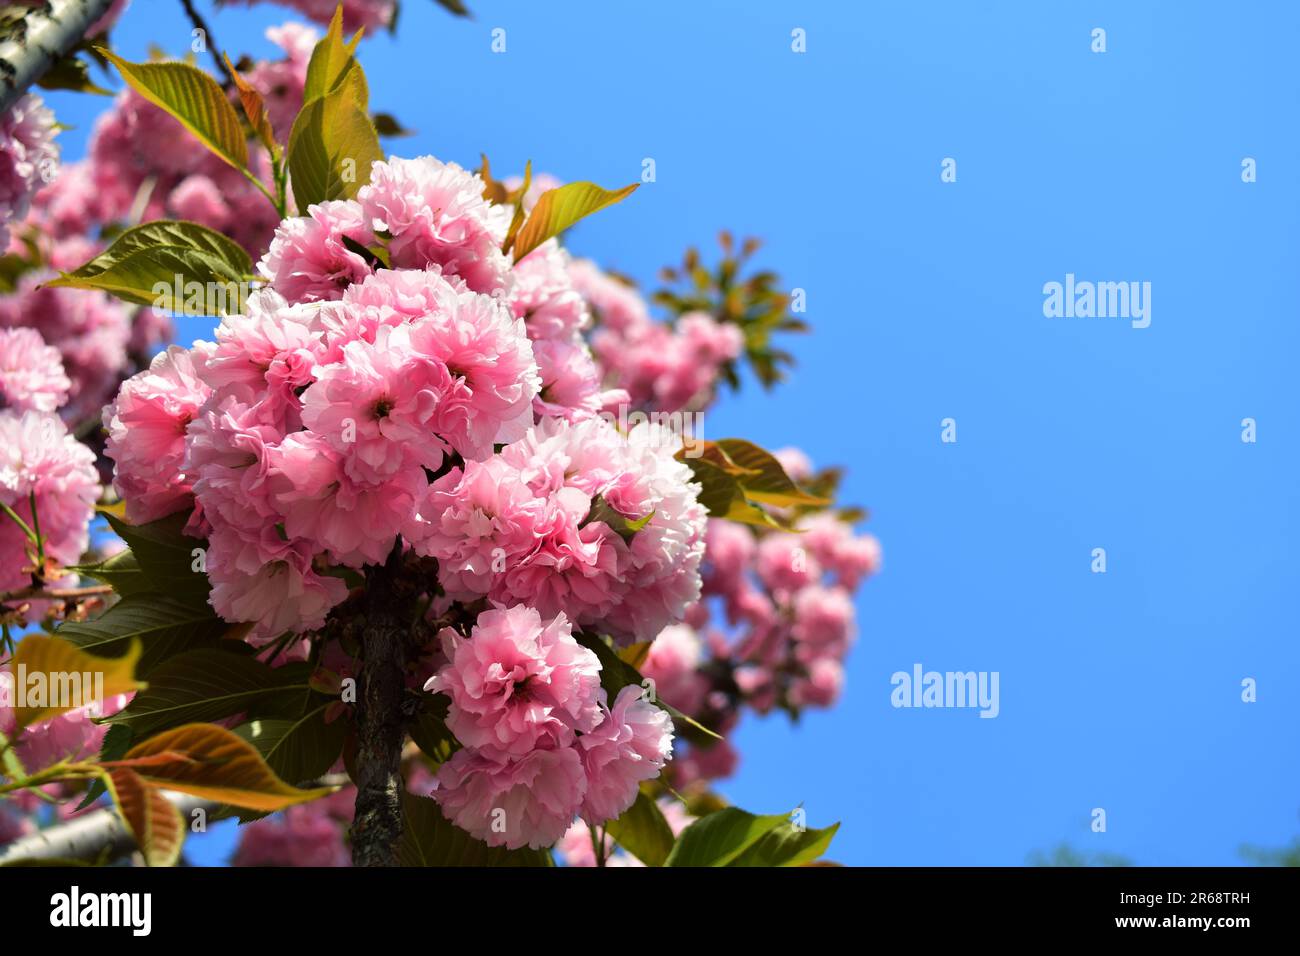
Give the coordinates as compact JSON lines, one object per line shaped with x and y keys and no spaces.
{"x":38,"y":457}
{"x":849,"y":557}
{"x":412,"y":354}
{"x":376,"y":406}
{"x":265,"y":356}
{"x":368,"y":15}
{"x":281,"y":593}
{"x":31,"y":372}
{"x":822,"y":686}
{"x":783,"y":563}
{"x":673,"y":663}
{"x":544,"y":296}
{"x":353,"y":522}
{"x":198,"y":198}
{"x":436,"y":214}
{"x":302,"y":835}
{"x":517,"y":528}
{"x":28,"y":158}
{"x":90,"y":330}
{"x":665,"y":367}
{"x":227,"y":463}
{"x":518,"y":683}
{"x":308,"y":260}
{"x":146,"y":426}
{"x":824,"y":621}
{"x":525,"y":802}
{"x":617,"y":305}
{"x":631,"y":745}
{"x":570,"y":382}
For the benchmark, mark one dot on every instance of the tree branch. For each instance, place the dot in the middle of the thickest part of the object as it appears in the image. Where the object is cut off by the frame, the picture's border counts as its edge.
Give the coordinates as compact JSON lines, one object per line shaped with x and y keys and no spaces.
{"x":101,"y":836}
{"x":377,"y":823}
{"x":48,"y":37}
{"x":209,"y":40}
{"x":54,"y":594}
{"x":98,"y":835}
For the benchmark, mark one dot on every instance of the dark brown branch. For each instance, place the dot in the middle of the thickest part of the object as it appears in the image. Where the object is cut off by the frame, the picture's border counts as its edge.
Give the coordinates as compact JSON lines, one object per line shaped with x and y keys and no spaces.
{"x":209,"y":40}
{"x":377,"y":825}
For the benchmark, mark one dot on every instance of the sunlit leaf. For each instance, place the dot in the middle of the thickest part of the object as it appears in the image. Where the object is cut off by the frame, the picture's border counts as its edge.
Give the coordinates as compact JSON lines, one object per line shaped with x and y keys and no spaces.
{"x":558,"y":209}
{"x":70,"y":677}
{"x":153,"y":820}
{"x":211,"y":762}
{"x":194,"y":98}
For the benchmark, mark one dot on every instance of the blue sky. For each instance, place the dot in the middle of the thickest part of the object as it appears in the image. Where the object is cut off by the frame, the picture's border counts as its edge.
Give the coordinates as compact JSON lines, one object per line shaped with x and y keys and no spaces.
{"x":1119,"y":690}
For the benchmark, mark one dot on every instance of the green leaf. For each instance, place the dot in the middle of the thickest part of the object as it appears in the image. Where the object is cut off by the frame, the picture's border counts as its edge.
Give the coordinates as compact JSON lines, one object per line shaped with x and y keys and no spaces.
{"x":765,"y":479}
{"x":723,"y":497}
{"x":194,"y":98}
{"x":71,"y":73}
{"x":643,"y":831}
{"x":170,"y":278}
{"x":429,"y":839}
{"x":719,"y":838}
{"x":300,"y":750}
{"x":787,"y":846}
{"x":203,"y":685}
{"x":333,"y":63}
{"x":166,"y":555}
{"x":331,"y":149}
{"x":558,"y":209}
{"x":172,"y":234}
{"x":429,"y":730}
{"x":164,"y":625}
{"x":121,"y":571}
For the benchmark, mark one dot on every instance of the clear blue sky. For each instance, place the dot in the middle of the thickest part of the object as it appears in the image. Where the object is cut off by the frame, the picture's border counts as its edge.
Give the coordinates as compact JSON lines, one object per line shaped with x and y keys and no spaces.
{"x":1119,"y":690}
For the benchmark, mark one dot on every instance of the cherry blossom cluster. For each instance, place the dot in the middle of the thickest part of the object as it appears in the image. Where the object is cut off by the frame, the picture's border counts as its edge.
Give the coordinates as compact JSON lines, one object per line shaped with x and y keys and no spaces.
{"x":43,"y":468}
{"x":352,"y":404}
{"x":666,"y":367}
{"x":786,"y":601}
{"x":28,"y":158}
{"x":542,"y":742}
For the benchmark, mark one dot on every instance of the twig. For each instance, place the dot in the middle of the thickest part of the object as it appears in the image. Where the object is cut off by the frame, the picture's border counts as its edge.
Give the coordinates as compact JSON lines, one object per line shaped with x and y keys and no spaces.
{"x":209,"y":40}
{"x":54,"y":594}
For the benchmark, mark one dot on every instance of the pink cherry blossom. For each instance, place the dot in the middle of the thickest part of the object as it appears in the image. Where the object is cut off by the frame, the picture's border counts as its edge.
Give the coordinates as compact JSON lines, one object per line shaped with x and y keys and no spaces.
{"x":518,"y":682}
{"x":525,"y":802}
{"x":31,"y":372}
{"x":544,"y":295}
{"x":631,"y":745}
{"x":40,"y":460}
{"x":436,"y":214}
{"x":308,"y":260}
{"x":28,"y":157}
{"x":146,"y":427}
